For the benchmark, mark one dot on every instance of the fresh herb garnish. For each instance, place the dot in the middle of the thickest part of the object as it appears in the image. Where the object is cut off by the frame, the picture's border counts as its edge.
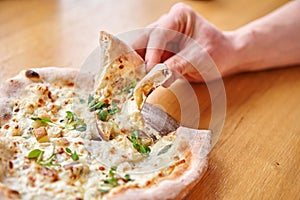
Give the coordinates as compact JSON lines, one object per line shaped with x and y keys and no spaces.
{"x":113,"y":109}
{"x":164,"y":149}
{"x":104,"y":191}
{"x":74,"y":123}
{"x":102,"y":115}
{"x":104,"y":109}
{"x":34,"y":153}
{"x":129,"y":88}
{"x":113,"y":180}
{"x":38,"y":155}
{"x":81,"y":100}
{"x":95,"y":105}
{"x":45,"y":121}
{"x":127,"y":178}
{"x":26,"y":136}
{"x":74,"y":155}
{"x":137,"y":144}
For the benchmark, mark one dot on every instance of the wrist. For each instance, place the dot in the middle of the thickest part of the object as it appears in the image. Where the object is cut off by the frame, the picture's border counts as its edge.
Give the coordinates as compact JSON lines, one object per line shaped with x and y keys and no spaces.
{"x":243,"y":56}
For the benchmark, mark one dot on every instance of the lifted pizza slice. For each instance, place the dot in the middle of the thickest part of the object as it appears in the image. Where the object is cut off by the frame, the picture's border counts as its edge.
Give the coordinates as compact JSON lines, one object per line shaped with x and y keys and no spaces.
{"x":121,"y":88}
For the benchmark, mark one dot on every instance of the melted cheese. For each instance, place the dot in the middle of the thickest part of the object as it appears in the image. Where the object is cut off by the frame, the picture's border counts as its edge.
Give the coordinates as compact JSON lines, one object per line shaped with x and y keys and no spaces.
{"x":82,"y":178}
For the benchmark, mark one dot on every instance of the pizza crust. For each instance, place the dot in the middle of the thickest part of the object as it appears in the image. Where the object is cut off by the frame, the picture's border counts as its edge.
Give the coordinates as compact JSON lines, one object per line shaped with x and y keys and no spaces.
{"x":196,"y":144}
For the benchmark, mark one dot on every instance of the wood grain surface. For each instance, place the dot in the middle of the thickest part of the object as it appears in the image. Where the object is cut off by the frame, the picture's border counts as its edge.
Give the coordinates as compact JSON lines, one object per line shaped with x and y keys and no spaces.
{"x":258,"y":153}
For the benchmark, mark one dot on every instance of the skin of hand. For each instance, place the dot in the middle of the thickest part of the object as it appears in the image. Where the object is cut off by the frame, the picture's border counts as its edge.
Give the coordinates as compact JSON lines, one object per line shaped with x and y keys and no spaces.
{"x":183,"y":39}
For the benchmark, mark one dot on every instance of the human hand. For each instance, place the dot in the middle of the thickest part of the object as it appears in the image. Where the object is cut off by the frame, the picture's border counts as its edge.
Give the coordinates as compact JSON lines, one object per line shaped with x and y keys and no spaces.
{"x":186,"y":42}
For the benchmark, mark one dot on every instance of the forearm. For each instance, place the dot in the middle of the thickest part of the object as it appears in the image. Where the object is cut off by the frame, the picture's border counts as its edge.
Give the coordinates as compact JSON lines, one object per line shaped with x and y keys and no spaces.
{"x":271,"y":41}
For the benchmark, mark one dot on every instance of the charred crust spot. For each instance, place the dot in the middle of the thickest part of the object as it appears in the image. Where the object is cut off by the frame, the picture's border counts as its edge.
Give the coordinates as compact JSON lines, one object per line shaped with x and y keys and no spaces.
{"x":70,"y":84}
{"x":123,"y":130}
{"x":32,"y":75}
{"x":6,"y":126}
{"x":121,"y":66}
{"x":50,"y":95}
{"x":160,"y":174}
{"x":60,"y":150}
{"x":41,"y":102}
{"x":14,"y":193}
{"x":10,"y":165}
{"x":17,"y":110}
{"x":148,"y":183}
{"x":180,"y":162}
{"x":106,"y":101}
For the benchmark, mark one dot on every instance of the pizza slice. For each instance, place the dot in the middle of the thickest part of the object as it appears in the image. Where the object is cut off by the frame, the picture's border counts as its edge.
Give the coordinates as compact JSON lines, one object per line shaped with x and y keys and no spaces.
{"x":121,"y":88}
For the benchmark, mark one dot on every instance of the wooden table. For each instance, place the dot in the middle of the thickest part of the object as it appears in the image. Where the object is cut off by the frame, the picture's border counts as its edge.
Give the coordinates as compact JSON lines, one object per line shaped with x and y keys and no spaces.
{"x":258,"y":153}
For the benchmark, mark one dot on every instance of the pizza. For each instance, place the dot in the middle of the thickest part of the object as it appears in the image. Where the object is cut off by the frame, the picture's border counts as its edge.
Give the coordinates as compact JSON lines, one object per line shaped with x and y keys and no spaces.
{"x":58,"y":142}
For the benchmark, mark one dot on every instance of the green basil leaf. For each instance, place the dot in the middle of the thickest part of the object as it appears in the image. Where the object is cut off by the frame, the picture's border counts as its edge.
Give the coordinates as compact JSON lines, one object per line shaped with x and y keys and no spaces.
{"x":81,"y":127}
{"x":145,"y":150}
{"x":34,"y":153}
{"x":43,"y":120}
{"x":74,"y":123}
{"x":70,"y":116}
{"x":82,"y":101}
{"x":104,"y":191}
{"x":90,"y":99}
{"x":113,"y":168}
{"x":113,"y":109}
{"x":68,"y":150}
{"x":127,"y":178}
{"x":137,"y":144}
{"x":75,"y":156}
{"x":102,"y":115}
{"x":164,"y":149}
{"x":132,"y":84}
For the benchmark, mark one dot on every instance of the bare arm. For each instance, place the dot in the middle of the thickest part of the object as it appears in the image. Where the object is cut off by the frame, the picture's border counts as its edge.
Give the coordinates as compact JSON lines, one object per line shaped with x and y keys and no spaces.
{"x":271,"y":41}
{"x":268,"y":42}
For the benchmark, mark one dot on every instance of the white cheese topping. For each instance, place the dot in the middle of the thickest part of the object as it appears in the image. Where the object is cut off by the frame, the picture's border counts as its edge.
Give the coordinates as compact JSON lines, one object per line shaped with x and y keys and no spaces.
{"x":65,"y":177}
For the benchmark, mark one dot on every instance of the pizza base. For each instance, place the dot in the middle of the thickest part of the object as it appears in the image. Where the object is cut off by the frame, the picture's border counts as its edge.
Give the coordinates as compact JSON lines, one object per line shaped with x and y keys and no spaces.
{"x":194,"y":145}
